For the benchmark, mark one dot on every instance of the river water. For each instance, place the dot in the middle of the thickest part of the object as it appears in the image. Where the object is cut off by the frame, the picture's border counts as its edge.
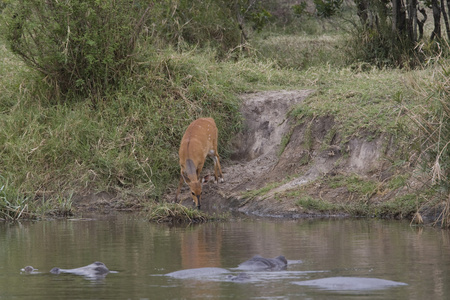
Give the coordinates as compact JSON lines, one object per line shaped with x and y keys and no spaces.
{"x":142,"y":253}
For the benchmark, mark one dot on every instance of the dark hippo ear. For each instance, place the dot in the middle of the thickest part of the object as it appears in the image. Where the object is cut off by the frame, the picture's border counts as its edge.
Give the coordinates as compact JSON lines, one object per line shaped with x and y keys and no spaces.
{"x":55,"y":271}
{"x":101,"y":270}
{"x":282,"y":259}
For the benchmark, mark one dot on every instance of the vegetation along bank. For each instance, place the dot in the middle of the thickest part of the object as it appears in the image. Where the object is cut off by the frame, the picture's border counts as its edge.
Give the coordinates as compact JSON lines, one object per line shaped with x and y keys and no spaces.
{"x":95,"y":97}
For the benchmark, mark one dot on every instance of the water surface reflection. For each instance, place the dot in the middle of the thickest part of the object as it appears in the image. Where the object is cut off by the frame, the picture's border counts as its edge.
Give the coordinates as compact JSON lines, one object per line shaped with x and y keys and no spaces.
{"x":142,"y":252}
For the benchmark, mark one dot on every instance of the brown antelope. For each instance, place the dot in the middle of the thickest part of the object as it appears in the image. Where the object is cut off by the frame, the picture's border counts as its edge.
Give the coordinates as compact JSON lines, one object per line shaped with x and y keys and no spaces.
{"x":199,"y":141}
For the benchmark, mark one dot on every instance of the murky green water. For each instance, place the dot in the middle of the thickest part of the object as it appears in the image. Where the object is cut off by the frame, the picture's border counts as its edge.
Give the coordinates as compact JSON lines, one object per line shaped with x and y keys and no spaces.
{"x":142,"y":252}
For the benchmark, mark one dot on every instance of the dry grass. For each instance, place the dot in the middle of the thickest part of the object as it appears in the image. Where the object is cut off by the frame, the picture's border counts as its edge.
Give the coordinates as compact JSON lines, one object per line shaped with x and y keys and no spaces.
{"x":432,"y":118}
{"x":302,"y":51}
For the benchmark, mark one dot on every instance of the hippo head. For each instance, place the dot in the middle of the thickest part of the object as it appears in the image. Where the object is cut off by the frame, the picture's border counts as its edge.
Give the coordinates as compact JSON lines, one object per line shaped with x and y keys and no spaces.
{"x":100,"y":268}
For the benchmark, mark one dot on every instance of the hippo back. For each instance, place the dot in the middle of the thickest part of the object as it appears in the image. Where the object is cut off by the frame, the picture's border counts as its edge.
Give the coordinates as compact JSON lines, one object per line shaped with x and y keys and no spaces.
{"x":258,"y":262}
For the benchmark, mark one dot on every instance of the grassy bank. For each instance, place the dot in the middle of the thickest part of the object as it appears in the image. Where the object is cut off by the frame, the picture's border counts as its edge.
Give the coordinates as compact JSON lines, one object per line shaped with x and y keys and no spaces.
{"x":128,"y":145}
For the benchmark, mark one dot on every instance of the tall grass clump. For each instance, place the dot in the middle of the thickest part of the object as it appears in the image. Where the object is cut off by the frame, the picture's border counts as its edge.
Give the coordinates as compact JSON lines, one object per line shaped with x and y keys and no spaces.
{"x":198,"y":23}
{"x":433,"y":121}
{"x":176,"y":213}
{"x":381,"y":47}
{"x":12,"y":205}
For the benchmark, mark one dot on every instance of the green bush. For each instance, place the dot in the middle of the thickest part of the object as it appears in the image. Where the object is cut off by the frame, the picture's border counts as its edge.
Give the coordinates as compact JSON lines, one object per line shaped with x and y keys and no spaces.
{"x":299,"y":9}
{"x":327,"y":8}
{"x":80,"y":47}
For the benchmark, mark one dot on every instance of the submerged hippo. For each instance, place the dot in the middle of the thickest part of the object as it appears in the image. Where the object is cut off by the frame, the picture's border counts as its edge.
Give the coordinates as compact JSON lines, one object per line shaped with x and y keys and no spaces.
{"x":241,"y":277}
{"x":29,"y":270}
{"x":260,"y":263}
{"x":256,"y":263}
{"x":350,"y":283}
{"x":197,"y":273}
{"x":94,"y":270}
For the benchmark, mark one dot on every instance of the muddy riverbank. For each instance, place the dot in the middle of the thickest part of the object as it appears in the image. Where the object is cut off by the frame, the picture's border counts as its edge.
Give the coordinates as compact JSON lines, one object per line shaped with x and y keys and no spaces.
{"x":286,"y":167}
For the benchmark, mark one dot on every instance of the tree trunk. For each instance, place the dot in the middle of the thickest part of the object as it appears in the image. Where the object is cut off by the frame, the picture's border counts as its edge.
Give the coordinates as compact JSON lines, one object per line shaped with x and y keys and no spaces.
{"x":448,"y":8}
{"x":396,"y":6}
{"x":362,"y":10}
{"x":444,"y":14}
{"x":398,"y":17}
{"x":437,"y":20}
{"x":412,"y":21}
{"x":421,"y":23}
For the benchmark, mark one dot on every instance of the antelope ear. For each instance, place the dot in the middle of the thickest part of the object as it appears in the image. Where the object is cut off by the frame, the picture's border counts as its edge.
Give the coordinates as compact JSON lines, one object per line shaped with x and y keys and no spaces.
{"x":185,"y":178}
{"x":205,"y":179}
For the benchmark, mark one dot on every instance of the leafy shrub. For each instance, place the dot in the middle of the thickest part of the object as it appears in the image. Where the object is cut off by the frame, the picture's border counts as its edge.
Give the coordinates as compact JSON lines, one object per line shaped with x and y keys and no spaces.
{"x":79,"y":46}
{"x":327,"y":8}
{"x":260,"y":18}
{"x":299,"y":9}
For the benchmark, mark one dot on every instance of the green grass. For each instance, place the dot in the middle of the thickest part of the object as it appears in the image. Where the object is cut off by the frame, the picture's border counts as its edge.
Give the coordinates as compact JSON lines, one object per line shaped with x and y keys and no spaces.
{"x":12,"y":205}
{"x":359,"y":101}
{"x":353,"y":183}
{"x":359,"y":201}
{"x":398,"y":181}
{"x":400,"y":207}
{"x":260,"y":192}
{"x":128,"y":144}
{"x":309,"y":203}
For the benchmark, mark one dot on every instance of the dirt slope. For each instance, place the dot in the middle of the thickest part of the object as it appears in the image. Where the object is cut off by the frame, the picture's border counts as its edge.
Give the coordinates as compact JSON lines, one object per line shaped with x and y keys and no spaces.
{"x":313,"y":152}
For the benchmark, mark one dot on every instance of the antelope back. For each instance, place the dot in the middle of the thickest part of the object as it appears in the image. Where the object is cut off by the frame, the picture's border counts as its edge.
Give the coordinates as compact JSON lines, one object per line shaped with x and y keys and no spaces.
{"x":199,"y":140}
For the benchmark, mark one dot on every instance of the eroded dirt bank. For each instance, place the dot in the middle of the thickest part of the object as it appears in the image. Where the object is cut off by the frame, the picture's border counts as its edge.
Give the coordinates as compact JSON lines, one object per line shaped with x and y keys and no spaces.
{"x":260,"y":180}
{"x":286,"y":168}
